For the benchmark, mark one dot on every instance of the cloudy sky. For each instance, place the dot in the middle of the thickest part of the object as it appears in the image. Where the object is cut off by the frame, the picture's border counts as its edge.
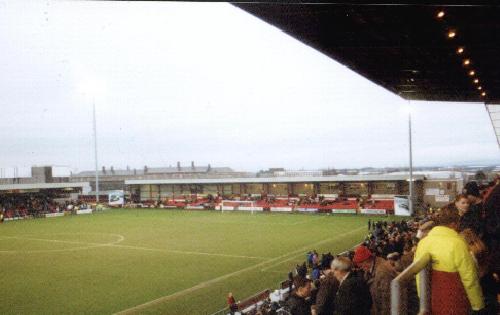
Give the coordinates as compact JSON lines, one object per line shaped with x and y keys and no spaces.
{"x":204,"y":82}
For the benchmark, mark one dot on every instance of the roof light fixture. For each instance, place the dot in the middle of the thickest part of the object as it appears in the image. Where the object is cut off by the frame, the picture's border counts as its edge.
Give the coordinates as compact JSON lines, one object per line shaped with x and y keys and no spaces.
{"x":440,"y":14}
{"x":466,"y":62}
{"x":452,"y":34}
{"x":479,"y":88}
{"x":472,"y":72}
{"x":476,"y":81}
{"x":483,"y":94}
{"x":460,"y":50}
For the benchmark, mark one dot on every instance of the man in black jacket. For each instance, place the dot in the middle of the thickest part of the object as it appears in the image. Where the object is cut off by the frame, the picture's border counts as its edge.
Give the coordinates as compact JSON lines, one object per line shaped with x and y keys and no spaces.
{"x":326,"y":293}
{"x":473,"y":218}
{"x":353,"y":296}
{"x":298,"y":302}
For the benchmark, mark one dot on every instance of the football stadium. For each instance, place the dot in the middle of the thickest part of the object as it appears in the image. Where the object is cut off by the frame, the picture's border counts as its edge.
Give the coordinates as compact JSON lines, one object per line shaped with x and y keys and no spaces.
{"x":202,"y":238}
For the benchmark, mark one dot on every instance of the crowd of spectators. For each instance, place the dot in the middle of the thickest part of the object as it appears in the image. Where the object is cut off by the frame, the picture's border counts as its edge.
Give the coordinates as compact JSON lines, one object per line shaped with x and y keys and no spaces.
{"x":462,"y":240}
{"x":16,"y":206}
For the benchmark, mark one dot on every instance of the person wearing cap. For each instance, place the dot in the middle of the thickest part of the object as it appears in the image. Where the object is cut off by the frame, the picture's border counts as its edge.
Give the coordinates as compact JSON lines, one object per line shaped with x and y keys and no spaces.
{"x":379,"y":274}
{"x":298,"y":302}
{"x":455,"y":285}
{"x":353,"y":296}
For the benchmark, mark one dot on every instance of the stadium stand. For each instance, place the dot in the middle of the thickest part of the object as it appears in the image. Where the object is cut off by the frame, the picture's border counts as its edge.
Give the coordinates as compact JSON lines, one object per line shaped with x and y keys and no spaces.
{"x":29,"y":206}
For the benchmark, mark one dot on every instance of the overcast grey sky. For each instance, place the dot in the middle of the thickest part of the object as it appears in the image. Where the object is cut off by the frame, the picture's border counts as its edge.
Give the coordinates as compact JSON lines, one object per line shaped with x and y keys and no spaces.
{"x":203,"y":82}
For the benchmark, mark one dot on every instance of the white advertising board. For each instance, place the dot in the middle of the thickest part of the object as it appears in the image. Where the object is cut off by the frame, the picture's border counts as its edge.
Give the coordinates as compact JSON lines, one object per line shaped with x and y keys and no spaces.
{"x":443,"y":198}
{"x":281,"y":209}
{"x":401,"y":206}
{"x":116,"y":198}
{"x":195,"y":207}
{"x":84,"y":211}
{"x":373,"y":211}
{"x":432,"y":191}
{"x":307,"y":209}
{"x":344,"y":211}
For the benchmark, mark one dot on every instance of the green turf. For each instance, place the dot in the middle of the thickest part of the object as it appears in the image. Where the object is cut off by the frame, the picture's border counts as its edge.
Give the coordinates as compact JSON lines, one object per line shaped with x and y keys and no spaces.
{"x":112,"y":261}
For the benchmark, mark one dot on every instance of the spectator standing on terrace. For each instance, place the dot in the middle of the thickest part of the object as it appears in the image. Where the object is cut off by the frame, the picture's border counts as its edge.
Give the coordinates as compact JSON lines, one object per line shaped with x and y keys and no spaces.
{"x":298,"y":302}
{"x":468,"y":218}
{"x":327,"y":291}
{"x":491,"y":282}
{"x":455,"y":285}
{"x":379,"y":274}
{"x":316,"y":272}
{"x":231,"y":303}
{"x":475,"y":202}
{"x":353,"y":296}
{"x":315,"y":257}
{"x":492,"y":222}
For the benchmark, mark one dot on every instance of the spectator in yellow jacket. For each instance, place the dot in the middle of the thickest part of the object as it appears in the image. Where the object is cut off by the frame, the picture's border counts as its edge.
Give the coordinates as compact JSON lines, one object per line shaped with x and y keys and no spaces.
{"x":455,"y":285}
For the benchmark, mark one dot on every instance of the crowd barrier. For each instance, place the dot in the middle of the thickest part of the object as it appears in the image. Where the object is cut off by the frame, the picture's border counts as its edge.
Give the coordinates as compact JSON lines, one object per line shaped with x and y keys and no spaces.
{"x":399,"y":287}
{"x":53,"y":215}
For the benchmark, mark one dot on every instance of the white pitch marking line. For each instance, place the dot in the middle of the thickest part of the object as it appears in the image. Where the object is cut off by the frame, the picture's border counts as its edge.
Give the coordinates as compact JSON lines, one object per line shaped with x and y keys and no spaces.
{"x":205,"y":284}
{"x":115,"y":244}
{"x":307,"y":221}
{"x":89,"y":245}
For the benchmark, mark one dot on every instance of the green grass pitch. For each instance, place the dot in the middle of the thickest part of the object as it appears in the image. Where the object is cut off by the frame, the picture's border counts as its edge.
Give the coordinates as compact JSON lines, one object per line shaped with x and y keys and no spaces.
{"x":157,"y":261}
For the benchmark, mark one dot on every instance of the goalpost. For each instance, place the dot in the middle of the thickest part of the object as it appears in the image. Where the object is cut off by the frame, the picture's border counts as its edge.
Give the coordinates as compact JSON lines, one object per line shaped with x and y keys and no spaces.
{"x":244,"y":205}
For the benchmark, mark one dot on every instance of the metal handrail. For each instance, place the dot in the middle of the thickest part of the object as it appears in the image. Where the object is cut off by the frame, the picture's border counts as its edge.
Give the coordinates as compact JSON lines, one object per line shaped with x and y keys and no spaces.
{"x":399,"y":287}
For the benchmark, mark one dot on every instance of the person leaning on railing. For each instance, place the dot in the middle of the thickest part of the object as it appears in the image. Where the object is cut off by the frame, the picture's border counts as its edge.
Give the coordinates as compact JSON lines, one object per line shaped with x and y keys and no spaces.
{"x":455,"y":285}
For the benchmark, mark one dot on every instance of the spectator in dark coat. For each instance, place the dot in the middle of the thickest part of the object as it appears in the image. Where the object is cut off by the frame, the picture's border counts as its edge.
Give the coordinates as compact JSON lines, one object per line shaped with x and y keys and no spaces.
{"x":353,"y":296}
{"x":471,"y":190}
{"x":491,"y":284}
{"x":492,"y":222}
{"x":379,"y":273}
{"x":326,"y":293}
{"x":298,"y":302}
